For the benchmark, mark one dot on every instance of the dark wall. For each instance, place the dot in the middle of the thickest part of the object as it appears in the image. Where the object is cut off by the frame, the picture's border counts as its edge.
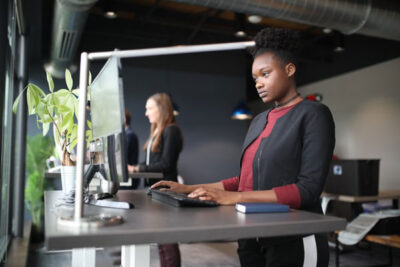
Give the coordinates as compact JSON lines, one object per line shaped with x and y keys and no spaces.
{"x":206,"y":87}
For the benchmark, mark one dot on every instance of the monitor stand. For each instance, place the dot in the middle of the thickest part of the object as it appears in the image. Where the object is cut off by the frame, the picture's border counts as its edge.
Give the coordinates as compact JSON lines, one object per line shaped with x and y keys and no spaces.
{"x":101,"y":199}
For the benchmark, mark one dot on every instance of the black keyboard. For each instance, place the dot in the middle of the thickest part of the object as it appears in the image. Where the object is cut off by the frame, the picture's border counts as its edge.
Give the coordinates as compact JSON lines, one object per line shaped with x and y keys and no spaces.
{"x":180,"y":200}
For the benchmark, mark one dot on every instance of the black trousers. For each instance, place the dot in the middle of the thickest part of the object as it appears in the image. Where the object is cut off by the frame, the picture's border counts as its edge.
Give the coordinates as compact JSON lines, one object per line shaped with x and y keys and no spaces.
{"x":293,"y":251}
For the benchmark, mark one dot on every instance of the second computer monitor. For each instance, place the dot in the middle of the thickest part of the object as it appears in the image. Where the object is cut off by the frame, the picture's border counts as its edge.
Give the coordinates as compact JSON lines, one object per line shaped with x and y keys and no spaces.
{"x":107,"y":116}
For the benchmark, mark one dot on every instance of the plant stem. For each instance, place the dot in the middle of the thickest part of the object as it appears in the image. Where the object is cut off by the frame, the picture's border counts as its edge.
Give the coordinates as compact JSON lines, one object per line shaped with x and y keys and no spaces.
{"x":54,"y":122}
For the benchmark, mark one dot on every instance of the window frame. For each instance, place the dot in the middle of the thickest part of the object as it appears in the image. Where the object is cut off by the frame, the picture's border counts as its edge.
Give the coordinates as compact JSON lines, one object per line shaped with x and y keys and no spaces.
{"x":8,"y":61}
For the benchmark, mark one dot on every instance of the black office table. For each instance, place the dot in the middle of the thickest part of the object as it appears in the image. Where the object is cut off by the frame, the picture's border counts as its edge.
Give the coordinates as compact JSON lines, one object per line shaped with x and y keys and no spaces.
{"x":155,"y":222}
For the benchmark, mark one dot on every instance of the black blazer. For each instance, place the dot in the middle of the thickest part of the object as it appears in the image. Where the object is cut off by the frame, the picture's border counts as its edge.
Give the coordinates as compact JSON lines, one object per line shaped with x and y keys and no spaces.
{"x":132,"y":146}
{"x":166,"y":161}
{"x":298,"y":150}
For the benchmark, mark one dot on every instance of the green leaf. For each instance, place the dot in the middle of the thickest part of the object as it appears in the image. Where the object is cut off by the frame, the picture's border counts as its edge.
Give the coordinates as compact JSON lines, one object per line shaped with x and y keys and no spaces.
{"x":89,"y":137}
{"x":50,"y":81}
{"x":76,"y":108}
{"x":42,"y":112}
{"x":71,"y":127}
{"x":34,"y":191}
{"x":89,"y":124}
{"x":37,"y":89}
{"x":68,"y":79}
{"x":73,"y":136}
{"x":72,"y":102}
{"x":32,"y":99}
{"x":51,"y":99}
{"x":62,"y":109}
{"x":67,"y":121}
{"x":38,"y":149}
{"x":46,"y":127}
{"x":15,"y":105}
{"x":61,"y":93}
{"x":50,"y":109}
{"x":67,"y":101}
{"x":73,"y":143}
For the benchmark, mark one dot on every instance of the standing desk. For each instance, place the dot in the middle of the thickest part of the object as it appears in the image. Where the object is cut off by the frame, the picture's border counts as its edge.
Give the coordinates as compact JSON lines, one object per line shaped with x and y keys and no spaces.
{"x":155,"y":222}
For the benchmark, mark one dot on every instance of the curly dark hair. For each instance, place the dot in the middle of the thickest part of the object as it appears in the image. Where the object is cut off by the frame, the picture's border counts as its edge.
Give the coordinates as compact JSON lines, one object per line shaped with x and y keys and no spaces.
{"x":282,"y":42}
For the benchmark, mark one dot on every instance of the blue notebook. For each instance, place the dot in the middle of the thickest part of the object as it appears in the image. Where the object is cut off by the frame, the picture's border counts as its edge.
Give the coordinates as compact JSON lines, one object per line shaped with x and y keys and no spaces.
{"x":261,"y":207}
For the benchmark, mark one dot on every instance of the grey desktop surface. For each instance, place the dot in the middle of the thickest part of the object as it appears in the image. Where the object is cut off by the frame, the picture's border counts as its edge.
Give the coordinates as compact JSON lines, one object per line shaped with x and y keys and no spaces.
{"x":155,"y":222}
{"x":131,"y":175}
{"x":146,"y":175}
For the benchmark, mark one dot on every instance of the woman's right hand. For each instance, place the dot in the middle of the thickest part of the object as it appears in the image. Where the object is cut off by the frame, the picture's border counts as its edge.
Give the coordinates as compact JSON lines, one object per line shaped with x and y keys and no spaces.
{"x":173,"y":186}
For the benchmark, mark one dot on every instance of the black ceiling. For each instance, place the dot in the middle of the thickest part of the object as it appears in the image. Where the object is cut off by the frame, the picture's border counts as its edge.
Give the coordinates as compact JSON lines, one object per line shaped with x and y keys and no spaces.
{"x":156,"y":23}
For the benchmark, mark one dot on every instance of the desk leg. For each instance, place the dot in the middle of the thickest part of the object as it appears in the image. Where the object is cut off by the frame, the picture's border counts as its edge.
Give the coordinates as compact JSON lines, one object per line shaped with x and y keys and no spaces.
{"x":84,"y":257}
{"x":135,"y":256}
{"x":395,"y":203}
{"x":337,"y":250}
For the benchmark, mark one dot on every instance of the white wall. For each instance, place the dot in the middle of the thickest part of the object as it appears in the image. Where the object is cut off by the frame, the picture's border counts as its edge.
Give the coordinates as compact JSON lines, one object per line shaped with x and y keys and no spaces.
{"x":366,"y":108}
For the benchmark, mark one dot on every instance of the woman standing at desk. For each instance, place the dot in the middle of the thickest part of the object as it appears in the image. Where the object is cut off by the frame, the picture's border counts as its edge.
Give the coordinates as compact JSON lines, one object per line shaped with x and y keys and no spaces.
{"x":285,"y":156}
{"x":162,"y":152}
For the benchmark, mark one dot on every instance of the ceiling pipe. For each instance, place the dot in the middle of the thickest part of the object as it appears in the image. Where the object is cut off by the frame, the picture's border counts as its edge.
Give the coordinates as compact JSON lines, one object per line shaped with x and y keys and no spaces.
{"x":68,"y":23}
{"x":378,"y":18}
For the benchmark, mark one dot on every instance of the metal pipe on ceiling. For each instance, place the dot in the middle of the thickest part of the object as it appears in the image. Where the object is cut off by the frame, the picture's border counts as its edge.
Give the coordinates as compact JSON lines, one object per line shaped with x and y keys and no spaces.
{"x":68,"y":23}
{"x":378,"y":18}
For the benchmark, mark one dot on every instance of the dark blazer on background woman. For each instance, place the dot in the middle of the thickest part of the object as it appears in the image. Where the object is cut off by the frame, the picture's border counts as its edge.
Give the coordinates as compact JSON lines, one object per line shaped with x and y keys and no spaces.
{"x":165,"y":161}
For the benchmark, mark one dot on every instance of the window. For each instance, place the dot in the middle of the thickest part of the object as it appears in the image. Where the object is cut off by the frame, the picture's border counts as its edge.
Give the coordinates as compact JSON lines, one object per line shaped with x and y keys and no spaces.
{"x":7,"y":60}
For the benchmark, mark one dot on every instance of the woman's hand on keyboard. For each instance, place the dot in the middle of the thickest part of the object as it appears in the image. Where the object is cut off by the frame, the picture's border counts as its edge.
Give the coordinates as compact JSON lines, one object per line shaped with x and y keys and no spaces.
{"x":173,"y":186}
{"x":212,"y":194}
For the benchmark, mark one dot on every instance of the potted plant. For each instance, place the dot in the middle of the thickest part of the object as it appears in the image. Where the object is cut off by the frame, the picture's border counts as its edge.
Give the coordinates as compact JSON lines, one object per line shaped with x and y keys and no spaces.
{"x":58,"y":108}
{"x":38,"y":149}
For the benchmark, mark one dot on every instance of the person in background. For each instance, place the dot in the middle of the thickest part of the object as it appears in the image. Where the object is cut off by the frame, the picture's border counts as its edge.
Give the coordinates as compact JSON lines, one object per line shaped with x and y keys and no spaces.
{"x":285,"y":157}
{"x":132,"y":145}
{"x":162,"y":149}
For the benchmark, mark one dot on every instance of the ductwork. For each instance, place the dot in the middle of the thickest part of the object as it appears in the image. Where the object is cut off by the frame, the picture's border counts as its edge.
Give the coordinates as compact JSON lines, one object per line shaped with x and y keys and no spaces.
{"x":379,"y":18}
{"x":68,"y":23}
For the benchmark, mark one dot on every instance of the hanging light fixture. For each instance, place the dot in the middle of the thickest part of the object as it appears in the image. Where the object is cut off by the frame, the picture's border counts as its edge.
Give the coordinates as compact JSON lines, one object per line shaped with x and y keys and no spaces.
{"x":176,"y":109}
{"x":339,"y":45}
{"x":255,"y":19}
{"x":109,"y":10}
{"x":241,"y":112}
{"x":240,"y":20}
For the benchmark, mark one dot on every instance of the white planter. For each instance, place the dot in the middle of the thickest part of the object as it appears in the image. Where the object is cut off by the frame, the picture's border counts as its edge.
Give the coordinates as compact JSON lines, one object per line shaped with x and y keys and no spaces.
{"x":68,"y":174}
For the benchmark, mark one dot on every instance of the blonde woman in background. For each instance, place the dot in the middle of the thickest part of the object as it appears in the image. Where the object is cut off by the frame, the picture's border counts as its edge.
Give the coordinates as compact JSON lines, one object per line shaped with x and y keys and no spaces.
{"x":162,"y":148}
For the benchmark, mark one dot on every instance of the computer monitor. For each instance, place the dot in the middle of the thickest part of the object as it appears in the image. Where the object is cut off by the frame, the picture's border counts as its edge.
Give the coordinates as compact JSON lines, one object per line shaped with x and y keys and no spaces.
{"x":107,"y":117}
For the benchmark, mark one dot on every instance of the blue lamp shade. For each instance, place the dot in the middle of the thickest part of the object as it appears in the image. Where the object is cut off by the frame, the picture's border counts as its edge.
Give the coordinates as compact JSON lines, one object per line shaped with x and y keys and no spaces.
{"x":241,"y":112}
{"x":176,"y":109}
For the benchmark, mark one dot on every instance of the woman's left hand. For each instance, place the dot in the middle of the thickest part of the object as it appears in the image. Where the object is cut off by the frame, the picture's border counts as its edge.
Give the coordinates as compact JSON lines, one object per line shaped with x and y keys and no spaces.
{"x":220,"y":196}
{"x":132,"y":168}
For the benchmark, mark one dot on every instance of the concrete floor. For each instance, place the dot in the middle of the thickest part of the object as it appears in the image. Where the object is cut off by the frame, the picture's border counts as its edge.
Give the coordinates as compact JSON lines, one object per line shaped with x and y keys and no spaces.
{"x":217,"y":254}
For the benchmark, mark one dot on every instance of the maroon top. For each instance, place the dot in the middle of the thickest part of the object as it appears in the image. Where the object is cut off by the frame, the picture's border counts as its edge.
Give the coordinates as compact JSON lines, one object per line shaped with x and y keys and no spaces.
{"x":287,"y":194}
